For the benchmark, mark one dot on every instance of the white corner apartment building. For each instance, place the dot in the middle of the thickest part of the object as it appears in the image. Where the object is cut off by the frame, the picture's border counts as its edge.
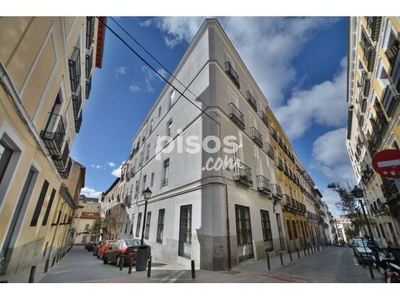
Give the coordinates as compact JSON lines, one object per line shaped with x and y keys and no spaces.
{"x":203,"y":207}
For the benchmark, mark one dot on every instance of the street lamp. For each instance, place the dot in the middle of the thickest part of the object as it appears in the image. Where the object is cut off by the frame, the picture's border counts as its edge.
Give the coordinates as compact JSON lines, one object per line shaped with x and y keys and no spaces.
{"x":147,"y":194}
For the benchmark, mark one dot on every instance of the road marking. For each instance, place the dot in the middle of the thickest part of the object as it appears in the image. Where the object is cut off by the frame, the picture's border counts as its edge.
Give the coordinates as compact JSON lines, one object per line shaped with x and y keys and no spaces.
{"x":173,"y":277}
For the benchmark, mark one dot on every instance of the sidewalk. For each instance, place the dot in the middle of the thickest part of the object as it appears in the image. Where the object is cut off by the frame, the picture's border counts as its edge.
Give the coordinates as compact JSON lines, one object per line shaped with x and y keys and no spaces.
{"x":250,"y":271}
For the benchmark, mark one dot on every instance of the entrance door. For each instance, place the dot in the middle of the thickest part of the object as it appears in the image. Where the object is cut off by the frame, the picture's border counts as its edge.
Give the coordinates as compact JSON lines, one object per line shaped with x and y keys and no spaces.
{"x":243,"y":231}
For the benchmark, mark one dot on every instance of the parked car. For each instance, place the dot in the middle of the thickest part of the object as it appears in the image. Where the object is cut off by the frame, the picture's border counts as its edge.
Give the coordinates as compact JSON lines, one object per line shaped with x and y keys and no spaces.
{"x":126,"y":249}
{"x":362,"y":252}
{"x":91,"y":246}
{"x":104,"y":246}
{"x":96,"y":248}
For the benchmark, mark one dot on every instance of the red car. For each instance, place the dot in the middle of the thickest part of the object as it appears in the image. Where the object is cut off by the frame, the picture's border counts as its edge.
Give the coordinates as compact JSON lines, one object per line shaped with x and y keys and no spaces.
{"x":126,"y":249}
{"x":104,"y":246}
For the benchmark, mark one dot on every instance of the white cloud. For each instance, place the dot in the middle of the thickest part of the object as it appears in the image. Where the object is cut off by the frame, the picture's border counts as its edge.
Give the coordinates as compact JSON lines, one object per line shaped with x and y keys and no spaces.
{"x":120,"y":71}
{"x":117,"y":172}
{"x":89,"y":192}
{"x":330,"y":198}
{"x":323,"y":104}
{"x":111,"y":164}
{"x":96,"y":166}
{"x":331,"y":158}
{"x":146,"y":23}
{"x":134,"y":88}
{"x":163,"y":73}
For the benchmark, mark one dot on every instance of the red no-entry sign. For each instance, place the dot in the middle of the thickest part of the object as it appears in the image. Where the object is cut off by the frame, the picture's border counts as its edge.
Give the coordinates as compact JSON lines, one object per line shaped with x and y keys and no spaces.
{"x":387,"y":163}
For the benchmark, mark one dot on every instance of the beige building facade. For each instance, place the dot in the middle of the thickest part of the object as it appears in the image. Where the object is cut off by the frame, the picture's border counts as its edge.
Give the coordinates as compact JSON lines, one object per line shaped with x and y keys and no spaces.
{"x":46,"y":67}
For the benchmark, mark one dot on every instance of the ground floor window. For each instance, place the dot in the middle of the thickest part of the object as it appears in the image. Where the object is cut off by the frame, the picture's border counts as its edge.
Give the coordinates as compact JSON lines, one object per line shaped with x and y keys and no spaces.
{"x":138,"y":224}
{"x":289,"y":230}
{"x":266,"y":228}
{"x":185,"y":232}
{"x":243,"y":231}
{"x":160,"y":225}
{"x":147,"y":228}
{"x":294,"y":229}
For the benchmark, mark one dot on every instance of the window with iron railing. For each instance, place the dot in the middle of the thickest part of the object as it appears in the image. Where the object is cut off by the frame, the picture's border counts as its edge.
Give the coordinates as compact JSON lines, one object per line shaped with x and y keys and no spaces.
{"x":232,"y":74}
{"x":236,"y":115}
{"x":267,"y":232}
{"x":270,"y":150}
{"x":185,"y":232}
{"x":252,"y":101}
{"x":75,"y":68}
{"x":138,"y":224}
{"x":160,"y":226}
{"x":257,"y":137}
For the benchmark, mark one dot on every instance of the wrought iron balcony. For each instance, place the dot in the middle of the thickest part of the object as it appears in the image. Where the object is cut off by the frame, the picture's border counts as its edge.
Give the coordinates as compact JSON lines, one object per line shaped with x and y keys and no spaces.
{"x":395,"y":73}
{"x":75,"y":68}
{"x":77,"y":101}
{"x":61,"y":161}
{"x":274,"y":134}
{"x":263,"y":185}
{"x":128,"y":200}
{"x":89,"y":64}
{"x":270,"y":150}
{"x":88,"y":87}
{"x":78,"y":123}
{"x":369,"y":57}
{"x":380,"y":124}
{"x":242,"y":173}
{"x":264,"y":118}
{"x":236,"y":115}
{"x":390,"y":99}
{"x":257,"y":137}
{"x":374,"y":24}
{"x":276,"y":191}
{"x":389,"y":188}
{"x":232,"y":74}
{"x":90,"y":23}
{"x":252,"y":101}
{"x":287,"y":201}
{"x":365,"y":84}
{"x":165,"y":182}
{"x":280,"y":164}
{"x":53,"y":135}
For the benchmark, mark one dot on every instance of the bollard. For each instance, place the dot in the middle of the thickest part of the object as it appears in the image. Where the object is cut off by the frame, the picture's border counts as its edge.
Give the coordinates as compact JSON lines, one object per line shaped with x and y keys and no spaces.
{"x":315,"y":251}
{"x":46,"y":267}
{"x":193,"y":272}
{"x":130,"y":266}
{"x":149,"y":267}
{"x":312,"y":251}
{"x":280,"y":254}
{"x":304,"y":248}
{"x":290,"y":254}
{"x":32,"y":274}
{"x":121,"y":263}
{"x":268,"y":263}
{"x":298,"y":253}
{"x":54,"y":260}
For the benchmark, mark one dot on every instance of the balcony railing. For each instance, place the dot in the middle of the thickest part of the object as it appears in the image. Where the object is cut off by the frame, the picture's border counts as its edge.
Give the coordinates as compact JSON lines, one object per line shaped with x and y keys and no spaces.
{"x":374,"y":24}
{"x":391,"y":53}
{"x":90,"y":22}
{"x":257,"y":137}
{"x":165,"y":182}
{"x":390,"y":100}
{"x":264,"y":185}
{"x":365,"y":83}
{"x":242,"y":173}
{"x":128,"y":200}
{"x":287,"y":200}
{"x":270,"y":150}
{"x":369,"y":57}
{"x":75,"y":68}
{"x":276,"y":191}
{"x":232,"y":74}
{"x":53,"y":135}
{"x":274,"y":134}
{"x":236,"y":115}
{"x":252,"y":101}
{"x":78,"y":123}
{"x":395,"y":73}
{"x":264,"y":118}
{"x":77,"y":101}
{"x":88,"y":87}
{"x":89,"y":63}
{"x":280,"y":164}
{"x":61,"y":162}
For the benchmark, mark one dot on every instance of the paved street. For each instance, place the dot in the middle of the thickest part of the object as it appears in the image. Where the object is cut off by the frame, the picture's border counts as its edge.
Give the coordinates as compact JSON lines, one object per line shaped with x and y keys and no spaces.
{"x":329,"y":265}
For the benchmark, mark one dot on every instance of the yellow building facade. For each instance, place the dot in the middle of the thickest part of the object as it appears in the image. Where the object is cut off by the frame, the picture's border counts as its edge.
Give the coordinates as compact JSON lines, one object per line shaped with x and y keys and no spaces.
{"x":373,"y":117}
{"x":46,"y":67}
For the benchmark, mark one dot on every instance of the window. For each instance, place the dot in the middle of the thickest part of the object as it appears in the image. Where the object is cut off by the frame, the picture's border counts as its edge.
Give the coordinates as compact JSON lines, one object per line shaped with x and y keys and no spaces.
{"x":243,"y":228}
{"x":138,"y":224}
{"x":137,"y":189}
{"x":294,"y":229}
{"x":144,"y":181}
{"x":5,"y":156}
{"x":172,"y":99}
{"x":160,"y":225}
{"x":86,"y":227}
{"x":159,"y":111}
{"x":185,"y":232}
{"x":267,"y":233}
{"x":151,"y":125}
{"x":48,"y":209}
{"x":148,"y":152}
{"x":169,"y":128}
{"x":39,"y":204}
{"x":165,"y":173}
{"x":289,"y":230}
{"x":152,"y":179}
{"x":147,"y":228}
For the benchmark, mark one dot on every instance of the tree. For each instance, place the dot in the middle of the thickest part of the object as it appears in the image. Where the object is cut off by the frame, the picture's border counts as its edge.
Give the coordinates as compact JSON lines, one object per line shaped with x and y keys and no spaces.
{"x":350,"y":206}
{"x":97,"y":227}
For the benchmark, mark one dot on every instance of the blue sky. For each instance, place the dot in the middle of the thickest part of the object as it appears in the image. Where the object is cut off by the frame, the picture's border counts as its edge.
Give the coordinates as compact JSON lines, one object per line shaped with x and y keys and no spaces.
{"x":299,"y":63}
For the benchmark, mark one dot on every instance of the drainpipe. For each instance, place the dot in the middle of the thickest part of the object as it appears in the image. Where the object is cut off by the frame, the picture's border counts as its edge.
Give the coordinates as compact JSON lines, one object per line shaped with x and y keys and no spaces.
{"x":54,"y":237}
{"x":228,"y":234}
